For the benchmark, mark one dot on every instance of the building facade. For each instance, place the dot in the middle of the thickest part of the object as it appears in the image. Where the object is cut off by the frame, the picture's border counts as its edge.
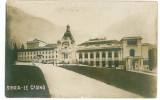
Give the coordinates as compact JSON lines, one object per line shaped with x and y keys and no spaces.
{"x":101,"y":53}
{"x":129,"y":53}
{"x":66,"y":48}
{"x":38,"y":51}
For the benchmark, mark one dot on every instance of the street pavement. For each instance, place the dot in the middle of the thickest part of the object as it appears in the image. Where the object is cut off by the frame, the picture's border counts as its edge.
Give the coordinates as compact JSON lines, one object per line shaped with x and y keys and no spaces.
{"x":68,"y":84}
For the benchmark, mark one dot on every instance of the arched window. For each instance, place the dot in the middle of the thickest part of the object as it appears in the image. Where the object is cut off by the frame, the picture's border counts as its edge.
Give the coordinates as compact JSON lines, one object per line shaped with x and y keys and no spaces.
{"x":132,"y":52}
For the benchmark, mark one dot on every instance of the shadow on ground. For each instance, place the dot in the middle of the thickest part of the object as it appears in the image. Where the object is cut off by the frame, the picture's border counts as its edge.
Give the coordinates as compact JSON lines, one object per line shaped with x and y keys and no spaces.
{"x":141,"y":84}
{"x":22,"y":75}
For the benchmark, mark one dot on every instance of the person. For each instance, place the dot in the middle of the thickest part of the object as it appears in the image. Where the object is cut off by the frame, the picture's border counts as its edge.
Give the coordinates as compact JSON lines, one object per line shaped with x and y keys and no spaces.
{"x":53,"y":62}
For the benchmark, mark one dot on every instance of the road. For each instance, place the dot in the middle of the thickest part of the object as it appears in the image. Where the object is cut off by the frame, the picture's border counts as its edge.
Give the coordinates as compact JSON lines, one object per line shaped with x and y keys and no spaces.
{"x":65,"y":83}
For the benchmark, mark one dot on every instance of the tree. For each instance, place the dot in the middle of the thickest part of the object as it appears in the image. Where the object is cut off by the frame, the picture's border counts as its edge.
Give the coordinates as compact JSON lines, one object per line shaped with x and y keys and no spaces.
{"x":14,"y":52}
{"x":22,"y":47}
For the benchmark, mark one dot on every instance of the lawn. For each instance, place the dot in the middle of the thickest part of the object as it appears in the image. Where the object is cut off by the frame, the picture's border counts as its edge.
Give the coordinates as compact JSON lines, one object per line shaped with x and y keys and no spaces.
{"x":142,"y":84}
{"x":23,"y":75}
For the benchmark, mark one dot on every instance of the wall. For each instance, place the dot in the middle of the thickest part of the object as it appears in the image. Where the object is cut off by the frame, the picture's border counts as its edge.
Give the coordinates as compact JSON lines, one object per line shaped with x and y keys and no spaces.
{"x":127,"y":48}
{"x":145,"y":51}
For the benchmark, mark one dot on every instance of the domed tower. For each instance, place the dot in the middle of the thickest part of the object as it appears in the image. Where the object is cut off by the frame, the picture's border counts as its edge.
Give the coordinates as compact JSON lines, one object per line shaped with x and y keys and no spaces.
{"x":67,"y":39}
{"x":67,"y":47}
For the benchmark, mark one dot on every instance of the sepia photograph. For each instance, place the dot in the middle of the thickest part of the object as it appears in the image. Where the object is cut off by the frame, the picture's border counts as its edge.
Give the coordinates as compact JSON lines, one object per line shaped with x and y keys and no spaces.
{"x":81,"y":49}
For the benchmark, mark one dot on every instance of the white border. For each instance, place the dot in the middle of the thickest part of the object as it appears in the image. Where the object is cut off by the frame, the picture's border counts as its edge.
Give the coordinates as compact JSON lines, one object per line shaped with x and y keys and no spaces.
{"x":2,"y":54}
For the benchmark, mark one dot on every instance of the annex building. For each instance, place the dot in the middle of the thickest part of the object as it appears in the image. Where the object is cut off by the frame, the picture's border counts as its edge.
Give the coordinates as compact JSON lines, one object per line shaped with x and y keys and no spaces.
{"x":129,"y":53}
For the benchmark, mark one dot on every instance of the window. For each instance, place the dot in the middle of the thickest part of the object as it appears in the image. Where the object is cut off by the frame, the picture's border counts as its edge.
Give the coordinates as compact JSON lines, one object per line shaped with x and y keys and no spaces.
{"x":97,"y":63}
{"x":132,"y":42}
{"x":145,"y":62}
{"x":25,"y":54}
{"x":40,"y":52}
{"x":31,"y":57}
{"x":37,"y":52}
{"x":49,"y":56}
{"x":91,"y":55}
{"x":131,"y":52}
{"x":28,"y":53}
{"x":22,"y":57}
{"x":34,"y":52}
{"x":46,"y":56}
{"x":116,"y":54}
{"x":103,"y":55}
{"x":31,"y":53}
{"x":97,"y":55}
{"x":86,"y":55}
{"x":28,"y":57}
{"x":91,"y":63}
{"x":80,"y":56}
{"x":52,"y":56}
{"x":22,"y":53}
{"x":46,"y":52}
{"x":52,"y":52}
{"x":43,"y":52}
{"x":109,"y":54}
{"x":56,"y":56}
{"x":19,"y":53}
{"x":49,"y":52}
{"x":65,"y":56}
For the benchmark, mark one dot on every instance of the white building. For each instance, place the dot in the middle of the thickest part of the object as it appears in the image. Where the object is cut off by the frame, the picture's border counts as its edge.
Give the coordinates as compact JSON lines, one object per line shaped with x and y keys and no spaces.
{"x":45,"y":54}
{"x":135,"y":53}
{"x":129,"y":53}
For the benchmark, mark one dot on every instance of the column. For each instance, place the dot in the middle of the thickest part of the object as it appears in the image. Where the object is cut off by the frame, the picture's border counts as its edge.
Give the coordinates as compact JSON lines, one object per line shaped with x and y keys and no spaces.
{"x":129,"y":64}
{"x":94,"y":58}
{"x":112,"y":54}
{"x":100,"y":55}
{"x":88,"y":56}
{"x":142,"y":64}
{"x":94,"y":53}
{"x":82,"y":56}
{"x":121,"y":54}
{"x":107,"y":55}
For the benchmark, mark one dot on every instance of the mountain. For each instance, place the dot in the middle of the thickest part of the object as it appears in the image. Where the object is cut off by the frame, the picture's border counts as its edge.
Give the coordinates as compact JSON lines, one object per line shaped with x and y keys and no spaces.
{"x":135,"y":25}
{"x":22,"y":27}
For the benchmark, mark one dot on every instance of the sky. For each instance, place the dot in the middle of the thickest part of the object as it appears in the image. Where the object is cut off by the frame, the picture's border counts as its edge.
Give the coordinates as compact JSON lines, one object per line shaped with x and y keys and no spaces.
{"x":113,"y":20}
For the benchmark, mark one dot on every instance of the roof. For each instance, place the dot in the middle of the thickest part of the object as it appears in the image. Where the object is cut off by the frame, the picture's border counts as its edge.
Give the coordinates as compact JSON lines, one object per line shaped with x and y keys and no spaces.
{"x":37,"y":49}
{"x":68,"y":34}
{"x":101,"y":49}
{"x":131,"y":38}
{"x":97,"y":41}
{"x":36,"y":41}
{"x":49,"y":46}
